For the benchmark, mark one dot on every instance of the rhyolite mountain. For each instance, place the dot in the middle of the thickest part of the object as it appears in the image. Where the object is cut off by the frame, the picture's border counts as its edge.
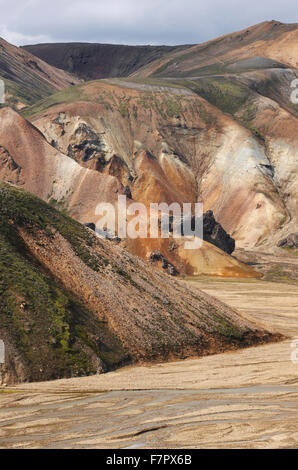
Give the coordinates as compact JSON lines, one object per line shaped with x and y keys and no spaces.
{"x":28,"y":160}
{"x":213,"y":122}
{"x":167,"y":143}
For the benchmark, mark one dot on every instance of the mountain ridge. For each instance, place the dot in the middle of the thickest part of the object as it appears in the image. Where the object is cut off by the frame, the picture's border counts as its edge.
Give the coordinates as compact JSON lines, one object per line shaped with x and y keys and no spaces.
{"x":82,"y":57}
{"x":91,"y":61}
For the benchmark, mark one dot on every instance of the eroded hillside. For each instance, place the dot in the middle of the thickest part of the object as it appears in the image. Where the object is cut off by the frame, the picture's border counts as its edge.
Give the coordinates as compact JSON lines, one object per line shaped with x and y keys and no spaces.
{"x":27,"y":78}
{"x":72,"y":304}
{"x":169,"y":143}
{"x":28,"y":160}
{"x":212,"y":123}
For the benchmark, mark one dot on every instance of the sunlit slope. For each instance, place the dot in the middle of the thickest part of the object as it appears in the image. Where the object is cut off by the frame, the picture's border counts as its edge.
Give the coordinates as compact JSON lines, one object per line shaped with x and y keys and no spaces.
{"x":222,"y":143}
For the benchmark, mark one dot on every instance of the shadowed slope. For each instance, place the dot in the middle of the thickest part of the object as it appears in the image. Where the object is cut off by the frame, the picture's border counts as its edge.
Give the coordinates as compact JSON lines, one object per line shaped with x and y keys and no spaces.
{"x":91,"y":61}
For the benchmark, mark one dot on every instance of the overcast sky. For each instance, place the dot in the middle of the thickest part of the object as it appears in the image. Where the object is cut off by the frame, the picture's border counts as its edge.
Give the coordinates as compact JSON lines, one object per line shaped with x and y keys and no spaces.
{"x":135,"y":21}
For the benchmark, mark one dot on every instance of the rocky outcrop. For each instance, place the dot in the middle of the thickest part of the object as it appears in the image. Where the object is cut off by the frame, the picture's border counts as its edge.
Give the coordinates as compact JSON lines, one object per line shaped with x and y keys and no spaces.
{"x":90,"y":225}
{"x":47,"y":173}
{"x":156,"y":256}
{"x":214,"y":233}
{"x":291,"y":241}
{"x":86,"y":145}
{"x":9,"y":169}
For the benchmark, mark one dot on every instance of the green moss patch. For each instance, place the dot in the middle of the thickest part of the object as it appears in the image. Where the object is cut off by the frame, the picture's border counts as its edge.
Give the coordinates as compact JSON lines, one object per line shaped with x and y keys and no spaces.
{"x":223,"y":93}
{"x":52,"y":331}
{"x":68,"y":95}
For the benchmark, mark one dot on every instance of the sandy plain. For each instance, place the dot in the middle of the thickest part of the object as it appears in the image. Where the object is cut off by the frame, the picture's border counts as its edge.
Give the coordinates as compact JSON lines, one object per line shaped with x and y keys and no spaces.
{"x":242,"y":399}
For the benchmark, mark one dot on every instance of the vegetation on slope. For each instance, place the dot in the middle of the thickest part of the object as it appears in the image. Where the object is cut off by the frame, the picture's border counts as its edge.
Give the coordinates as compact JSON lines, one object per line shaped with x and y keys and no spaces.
{"x":27,"y":78}
{"x":48,"y":326}
{"x":68,"y":95}
{"x":224,"y":93}
{"x":16,"y":93}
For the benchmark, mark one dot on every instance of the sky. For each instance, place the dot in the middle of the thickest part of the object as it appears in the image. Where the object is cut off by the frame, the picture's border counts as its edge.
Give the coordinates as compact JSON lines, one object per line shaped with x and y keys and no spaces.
{"x":135,"y":21}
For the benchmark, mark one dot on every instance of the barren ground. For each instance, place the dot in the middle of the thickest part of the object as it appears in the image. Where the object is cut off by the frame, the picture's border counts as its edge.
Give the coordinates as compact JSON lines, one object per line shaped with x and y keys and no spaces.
{"x":243,"y":399}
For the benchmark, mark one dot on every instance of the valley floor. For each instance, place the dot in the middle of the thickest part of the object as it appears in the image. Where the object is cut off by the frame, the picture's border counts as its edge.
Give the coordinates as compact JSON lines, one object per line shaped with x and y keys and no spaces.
{"x":242,"y":399}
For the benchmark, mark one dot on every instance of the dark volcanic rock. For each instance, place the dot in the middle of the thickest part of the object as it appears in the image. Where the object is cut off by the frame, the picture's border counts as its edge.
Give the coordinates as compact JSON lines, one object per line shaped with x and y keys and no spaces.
{"x":156,"y":255}
{"x":291,"y":241}
{"x":90,"y":225}
{"x":215,"y":234}
{"x":173,"y":271}
{"x":127,"y":192}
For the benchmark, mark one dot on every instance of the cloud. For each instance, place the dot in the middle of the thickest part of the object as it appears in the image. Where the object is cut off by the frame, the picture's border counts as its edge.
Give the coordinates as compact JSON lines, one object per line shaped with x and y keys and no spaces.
{"x":19,"y":39}
{"x":135,"y":21}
